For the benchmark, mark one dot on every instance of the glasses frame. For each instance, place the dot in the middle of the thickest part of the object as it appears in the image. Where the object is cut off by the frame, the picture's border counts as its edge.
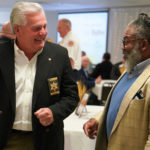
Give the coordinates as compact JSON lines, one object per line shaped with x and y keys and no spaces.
{"x":125,"y":42}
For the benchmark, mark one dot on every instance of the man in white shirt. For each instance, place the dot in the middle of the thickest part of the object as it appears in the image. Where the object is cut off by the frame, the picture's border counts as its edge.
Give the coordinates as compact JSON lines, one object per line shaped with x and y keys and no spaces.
{"x":37,"y":90}
{"x":71,"y":42}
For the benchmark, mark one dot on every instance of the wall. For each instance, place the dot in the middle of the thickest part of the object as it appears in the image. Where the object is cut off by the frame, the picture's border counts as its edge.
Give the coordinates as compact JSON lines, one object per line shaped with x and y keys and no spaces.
{"x":118,"y":20}
{"x":52,"y":24}
{"x":4,"y":15}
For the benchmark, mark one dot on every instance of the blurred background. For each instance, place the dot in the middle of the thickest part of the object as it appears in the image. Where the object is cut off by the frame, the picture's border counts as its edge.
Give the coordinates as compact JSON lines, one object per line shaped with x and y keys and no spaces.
{"x":99,"y":24}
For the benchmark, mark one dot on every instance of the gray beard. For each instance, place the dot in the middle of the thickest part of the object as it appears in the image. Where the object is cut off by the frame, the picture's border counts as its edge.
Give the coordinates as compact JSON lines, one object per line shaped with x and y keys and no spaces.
{"x":133,"y":58}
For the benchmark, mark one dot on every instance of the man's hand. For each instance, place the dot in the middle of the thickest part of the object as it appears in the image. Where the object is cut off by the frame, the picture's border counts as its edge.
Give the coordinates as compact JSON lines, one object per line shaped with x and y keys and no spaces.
{"x":98,"y":79}
{"x":91,"y":128}
{"x":72,"y":63}
{"x":45,"y":116}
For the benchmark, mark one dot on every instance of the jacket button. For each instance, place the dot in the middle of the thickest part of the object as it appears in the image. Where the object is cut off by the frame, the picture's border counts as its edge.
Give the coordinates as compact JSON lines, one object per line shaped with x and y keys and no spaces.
{"x":1,"y":112}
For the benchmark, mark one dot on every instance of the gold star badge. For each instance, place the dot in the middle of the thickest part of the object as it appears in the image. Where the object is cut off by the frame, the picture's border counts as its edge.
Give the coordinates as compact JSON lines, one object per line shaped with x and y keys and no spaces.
{"x":53,"y":86}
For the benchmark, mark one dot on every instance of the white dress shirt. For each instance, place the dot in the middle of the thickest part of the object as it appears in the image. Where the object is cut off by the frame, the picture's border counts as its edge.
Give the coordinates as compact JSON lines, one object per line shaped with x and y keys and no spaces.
{"x":24,"y":79}
{"x":71,"y":42}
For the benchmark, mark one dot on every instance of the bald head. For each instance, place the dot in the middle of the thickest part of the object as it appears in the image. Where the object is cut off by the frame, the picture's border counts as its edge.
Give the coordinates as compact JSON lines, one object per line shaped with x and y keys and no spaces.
{"x":85,"y":62}
{"x":63,"y":27}
{"x":6,"y":31}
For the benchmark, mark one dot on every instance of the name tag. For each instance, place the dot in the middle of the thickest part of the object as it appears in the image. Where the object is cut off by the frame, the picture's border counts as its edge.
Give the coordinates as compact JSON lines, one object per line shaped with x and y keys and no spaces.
{"x":53,"y":86}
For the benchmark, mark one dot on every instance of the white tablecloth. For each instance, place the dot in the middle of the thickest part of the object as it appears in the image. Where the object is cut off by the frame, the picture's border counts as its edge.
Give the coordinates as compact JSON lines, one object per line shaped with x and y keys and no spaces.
{"x":97,"y":89}
{"x":75,"y":139}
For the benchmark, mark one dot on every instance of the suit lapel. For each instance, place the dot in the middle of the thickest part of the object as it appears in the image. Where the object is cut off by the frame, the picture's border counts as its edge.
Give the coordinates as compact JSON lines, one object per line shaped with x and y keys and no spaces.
{"x":130,"y":94}
{"x":44,"y":64}
{"x":7,"y":69}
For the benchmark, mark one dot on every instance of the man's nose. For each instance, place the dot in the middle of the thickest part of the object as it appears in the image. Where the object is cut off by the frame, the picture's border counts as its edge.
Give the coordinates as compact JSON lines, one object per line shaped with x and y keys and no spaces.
{"x":43,"y":31}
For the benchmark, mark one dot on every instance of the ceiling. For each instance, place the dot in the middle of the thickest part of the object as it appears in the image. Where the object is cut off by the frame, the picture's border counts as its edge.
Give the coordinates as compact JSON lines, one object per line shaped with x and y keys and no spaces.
{"x":65,"y":5}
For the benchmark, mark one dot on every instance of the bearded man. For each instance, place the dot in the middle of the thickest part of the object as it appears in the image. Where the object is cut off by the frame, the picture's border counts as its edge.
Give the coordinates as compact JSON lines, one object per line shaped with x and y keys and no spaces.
{"x":125,"y":121}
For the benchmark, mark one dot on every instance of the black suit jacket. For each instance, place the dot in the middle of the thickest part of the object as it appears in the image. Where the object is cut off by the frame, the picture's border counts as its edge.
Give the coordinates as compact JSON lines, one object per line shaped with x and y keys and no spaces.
{"x":4,"y":39}
{"x":52,"y":62}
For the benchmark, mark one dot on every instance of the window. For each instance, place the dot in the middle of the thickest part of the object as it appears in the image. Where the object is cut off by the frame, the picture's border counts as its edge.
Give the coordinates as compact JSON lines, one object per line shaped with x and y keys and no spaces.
{"x":91,"y":29}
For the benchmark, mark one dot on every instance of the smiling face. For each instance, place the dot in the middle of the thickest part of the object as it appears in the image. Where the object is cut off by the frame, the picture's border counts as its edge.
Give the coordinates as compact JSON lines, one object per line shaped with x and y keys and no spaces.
{"x":32,"y":36}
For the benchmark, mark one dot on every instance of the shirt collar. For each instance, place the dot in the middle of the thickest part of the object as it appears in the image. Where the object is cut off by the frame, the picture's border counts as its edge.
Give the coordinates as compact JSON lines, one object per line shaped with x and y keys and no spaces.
{"x":139,"y":68}
{"x":68,"y":34}
{"x":18,"y":51}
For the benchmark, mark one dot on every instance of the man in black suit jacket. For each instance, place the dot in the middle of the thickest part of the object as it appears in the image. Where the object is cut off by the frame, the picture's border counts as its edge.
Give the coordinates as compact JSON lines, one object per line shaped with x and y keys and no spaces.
{"x":37,"y":89}
{"x":104,"y":68}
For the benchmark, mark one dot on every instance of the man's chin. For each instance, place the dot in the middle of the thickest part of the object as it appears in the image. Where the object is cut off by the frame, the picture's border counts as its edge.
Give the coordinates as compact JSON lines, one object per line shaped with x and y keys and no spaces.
{"x":129,"y":65}
{"x":38,"y":48}
{"x":41,"y":45}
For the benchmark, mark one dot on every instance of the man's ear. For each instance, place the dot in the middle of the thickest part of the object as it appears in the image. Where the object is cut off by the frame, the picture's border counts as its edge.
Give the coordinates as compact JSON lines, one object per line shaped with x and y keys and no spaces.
{"x":144,"y":44}
{"x":16,"y":29}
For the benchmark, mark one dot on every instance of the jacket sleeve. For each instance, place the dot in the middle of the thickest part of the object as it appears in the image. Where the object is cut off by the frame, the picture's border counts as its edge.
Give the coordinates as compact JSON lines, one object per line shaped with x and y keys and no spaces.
{"x":68,"y":93}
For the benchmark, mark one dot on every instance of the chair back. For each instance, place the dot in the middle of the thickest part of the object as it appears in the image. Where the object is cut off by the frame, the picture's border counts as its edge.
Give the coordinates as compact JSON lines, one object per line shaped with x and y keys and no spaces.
{"x":81,"y":89}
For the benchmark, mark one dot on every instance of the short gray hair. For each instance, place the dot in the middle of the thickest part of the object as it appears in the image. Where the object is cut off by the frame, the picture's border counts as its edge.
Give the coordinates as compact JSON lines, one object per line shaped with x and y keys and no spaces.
{"x":142,"y":26}
{"x":66,"y":22}
{"x":19,"y":10}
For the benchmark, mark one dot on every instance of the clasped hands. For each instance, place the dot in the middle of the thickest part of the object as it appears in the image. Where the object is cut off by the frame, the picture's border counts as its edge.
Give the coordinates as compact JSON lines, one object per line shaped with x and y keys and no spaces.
{"x":91,"y":128}
{"x":45,"y":116}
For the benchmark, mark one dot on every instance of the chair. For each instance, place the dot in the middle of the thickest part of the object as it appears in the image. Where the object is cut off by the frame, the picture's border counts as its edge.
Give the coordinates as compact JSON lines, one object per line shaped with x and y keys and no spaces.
{"x":81,"y":89}
{"x":106,"y":87}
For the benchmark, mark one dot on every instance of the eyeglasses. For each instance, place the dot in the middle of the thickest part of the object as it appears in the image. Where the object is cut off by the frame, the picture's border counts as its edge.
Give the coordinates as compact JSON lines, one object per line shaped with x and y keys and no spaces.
{"x":125,"y":42}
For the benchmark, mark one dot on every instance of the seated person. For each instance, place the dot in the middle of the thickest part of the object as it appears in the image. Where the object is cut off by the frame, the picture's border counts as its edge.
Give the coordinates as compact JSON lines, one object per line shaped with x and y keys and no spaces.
{"x":6,"y":34}
{"x":90,"y":66}
{"x":103,"y":69}
{"x":121,"y":66}
{"x":88,"y":81}
{"x":83,"y":53}
{"x":118,"y":69}
{"x":84,"y":76}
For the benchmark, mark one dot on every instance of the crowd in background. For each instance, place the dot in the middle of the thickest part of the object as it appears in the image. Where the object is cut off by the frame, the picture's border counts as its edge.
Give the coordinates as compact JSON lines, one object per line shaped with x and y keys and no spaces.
{"x":126,"y":113}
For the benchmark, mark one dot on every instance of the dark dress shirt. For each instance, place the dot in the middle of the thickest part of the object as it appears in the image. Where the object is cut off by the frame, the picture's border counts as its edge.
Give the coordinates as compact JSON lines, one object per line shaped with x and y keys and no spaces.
{"x":103,"y":69}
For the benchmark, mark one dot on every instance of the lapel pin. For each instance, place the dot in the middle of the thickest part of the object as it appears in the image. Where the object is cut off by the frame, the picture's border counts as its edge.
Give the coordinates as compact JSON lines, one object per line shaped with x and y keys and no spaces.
{"x":49,"y":59}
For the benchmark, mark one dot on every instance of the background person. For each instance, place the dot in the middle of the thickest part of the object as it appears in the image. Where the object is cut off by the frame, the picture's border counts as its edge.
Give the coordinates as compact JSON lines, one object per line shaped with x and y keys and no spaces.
{"x":84,"y":76}
{"x":124,"y":124}
{"x":71,"y":42}
{"x":37,"y":89}
{"x":5,"y":33}
{"x":83,"y":53}
{"x":88,"y":81}
{"x":103,"y":69}
{"x":118,"y":69}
